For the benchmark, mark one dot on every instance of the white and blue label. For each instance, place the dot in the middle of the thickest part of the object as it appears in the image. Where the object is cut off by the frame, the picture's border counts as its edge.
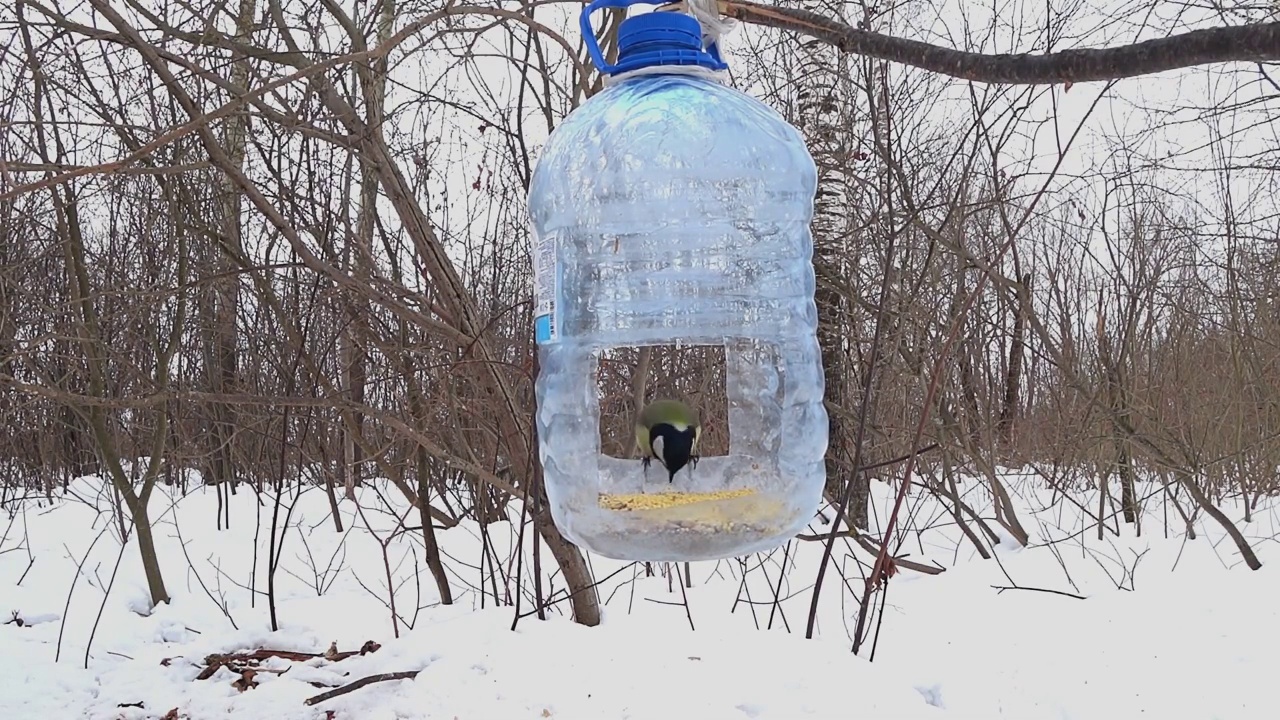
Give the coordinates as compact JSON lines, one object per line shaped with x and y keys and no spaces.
{"x":545,"y":282}
{"x":543,"y":329}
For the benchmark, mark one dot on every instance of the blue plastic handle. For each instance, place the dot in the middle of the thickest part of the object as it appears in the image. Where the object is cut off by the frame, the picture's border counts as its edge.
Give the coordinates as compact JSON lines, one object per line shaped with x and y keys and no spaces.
{"x":589,"y":36}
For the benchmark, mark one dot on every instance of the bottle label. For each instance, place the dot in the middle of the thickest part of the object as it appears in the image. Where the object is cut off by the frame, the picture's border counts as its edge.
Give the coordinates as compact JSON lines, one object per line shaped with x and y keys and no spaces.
{"x":545,"y":278}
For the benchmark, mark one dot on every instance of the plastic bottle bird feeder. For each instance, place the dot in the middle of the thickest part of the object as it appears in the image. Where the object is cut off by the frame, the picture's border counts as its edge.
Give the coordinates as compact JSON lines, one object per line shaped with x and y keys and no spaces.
{"x":671,"y":208}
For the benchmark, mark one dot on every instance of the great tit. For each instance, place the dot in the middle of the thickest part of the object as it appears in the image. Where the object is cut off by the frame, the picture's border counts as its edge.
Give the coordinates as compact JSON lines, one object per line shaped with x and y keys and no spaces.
{"x":669,"y":431}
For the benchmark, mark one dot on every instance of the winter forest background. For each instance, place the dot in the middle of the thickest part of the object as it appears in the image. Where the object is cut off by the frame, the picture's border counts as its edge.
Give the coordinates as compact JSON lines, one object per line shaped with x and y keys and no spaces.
{"x":275,"y":253}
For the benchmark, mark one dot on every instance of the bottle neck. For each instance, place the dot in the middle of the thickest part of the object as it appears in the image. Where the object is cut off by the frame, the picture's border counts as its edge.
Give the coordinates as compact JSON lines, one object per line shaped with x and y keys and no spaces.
{"x":717,"y":76}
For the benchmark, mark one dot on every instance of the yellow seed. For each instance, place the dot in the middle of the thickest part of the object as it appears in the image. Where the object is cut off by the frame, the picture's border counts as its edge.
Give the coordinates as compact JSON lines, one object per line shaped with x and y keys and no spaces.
{"x":656,"y":501}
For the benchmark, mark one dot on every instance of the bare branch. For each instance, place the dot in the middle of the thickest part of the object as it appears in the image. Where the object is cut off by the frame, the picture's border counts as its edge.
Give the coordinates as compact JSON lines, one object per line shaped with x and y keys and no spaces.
{"x":1243,"y":43}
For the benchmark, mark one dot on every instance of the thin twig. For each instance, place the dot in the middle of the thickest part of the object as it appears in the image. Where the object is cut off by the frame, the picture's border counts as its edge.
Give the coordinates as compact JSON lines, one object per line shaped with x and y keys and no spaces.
{"x":353,"y":686}
{"x":902,"y":458}
{"x":1064,"y":593}
{"x":873,"y":547}
{"x":106,"y":593}
{"x":62,"y":626}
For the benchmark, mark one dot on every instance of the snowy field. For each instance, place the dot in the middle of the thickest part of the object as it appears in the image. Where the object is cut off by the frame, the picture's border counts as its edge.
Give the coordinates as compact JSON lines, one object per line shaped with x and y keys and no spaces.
{"x":1157,"y":626}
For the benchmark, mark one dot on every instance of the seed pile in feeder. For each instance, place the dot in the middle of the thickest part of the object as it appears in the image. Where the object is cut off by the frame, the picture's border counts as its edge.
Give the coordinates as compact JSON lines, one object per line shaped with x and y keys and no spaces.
{"x":653,"y":501}
{"x":687,"y":526}
{"x":744,"y":509}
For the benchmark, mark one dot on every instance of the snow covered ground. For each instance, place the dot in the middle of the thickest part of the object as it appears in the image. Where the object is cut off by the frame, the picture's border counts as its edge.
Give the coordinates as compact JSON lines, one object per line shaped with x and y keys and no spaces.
{"x":1171,"y":628}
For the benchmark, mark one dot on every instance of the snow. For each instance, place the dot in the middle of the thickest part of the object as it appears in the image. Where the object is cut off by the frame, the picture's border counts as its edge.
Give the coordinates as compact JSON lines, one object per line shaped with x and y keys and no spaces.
{"x":1169,"y":627}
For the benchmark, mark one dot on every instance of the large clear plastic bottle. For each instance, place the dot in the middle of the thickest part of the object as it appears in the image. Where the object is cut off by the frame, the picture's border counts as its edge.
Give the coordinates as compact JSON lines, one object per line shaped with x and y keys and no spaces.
{"x":671,"y":208}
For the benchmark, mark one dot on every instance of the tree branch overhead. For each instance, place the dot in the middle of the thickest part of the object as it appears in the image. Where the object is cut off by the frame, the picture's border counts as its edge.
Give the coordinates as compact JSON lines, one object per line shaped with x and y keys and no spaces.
{"x":1241,"y":43}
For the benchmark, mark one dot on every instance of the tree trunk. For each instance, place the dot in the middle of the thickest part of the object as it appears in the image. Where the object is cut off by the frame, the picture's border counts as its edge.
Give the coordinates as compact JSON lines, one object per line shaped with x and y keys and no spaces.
{"x":418,"y":408}
{"x":971,"y":421}
{"x":577,"y":574}
{"x":147,"y":551}
{"x":431,"y":547}
{"x":1017,"y":352}
{"x":1115,"y":381}
{"x":1128,"y":491}
{"x":222,"y":307}
{"x":351,"y":348}
{"x":95,"y":356}
{"x":822,"y":93}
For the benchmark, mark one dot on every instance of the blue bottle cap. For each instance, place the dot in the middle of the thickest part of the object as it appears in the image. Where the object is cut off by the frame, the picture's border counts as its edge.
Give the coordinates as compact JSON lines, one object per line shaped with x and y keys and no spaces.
{"x":662,"y":38}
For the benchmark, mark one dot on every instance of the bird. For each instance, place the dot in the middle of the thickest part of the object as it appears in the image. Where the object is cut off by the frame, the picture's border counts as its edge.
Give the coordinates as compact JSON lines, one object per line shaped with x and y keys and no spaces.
{"x":669,"y":431}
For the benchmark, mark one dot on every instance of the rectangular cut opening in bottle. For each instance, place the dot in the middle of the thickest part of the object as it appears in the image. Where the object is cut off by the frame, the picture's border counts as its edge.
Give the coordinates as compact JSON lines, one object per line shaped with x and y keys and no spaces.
{"x":627,"y":378}
{"x":741,"y":491}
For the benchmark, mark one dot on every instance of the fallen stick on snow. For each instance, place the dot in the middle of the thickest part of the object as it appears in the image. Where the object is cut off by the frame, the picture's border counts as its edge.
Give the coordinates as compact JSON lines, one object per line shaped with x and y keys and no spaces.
{"x":1001,"y":588}
{"x":237,"y":662}
{"x":349,"y":687}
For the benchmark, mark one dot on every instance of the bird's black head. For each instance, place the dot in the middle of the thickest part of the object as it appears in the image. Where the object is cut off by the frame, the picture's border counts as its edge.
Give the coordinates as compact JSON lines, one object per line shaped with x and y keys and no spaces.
{"x":675,"y":449}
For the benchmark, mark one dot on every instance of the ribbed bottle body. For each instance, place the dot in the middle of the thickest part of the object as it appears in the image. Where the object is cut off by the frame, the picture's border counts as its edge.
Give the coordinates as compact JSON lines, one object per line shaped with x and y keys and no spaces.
{"x":672,"y":209}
